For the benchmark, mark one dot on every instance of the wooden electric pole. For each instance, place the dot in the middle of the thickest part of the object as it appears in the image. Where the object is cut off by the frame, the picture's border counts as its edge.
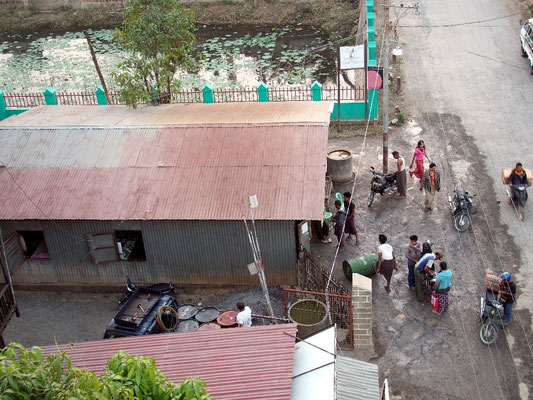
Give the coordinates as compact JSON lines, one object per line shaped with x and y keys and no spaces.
{"x":387,"y":28}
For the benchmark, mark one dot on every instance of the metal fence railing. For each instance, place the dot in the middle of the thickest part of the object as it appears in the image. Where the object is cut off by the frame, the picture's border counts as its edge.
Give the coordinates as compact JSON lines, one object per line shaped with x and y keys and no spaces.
{"x":340,"y":309}
{"x":194,"y":95}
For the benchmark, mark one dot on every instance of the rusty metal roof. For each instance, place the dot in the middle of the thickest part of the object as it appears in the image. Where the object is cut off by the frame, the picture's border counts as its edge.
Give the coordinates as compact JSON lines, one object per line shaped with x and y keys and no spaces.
{"x":163,"y":173}
{"x":236,"y":363}
{"x":174,"y":114}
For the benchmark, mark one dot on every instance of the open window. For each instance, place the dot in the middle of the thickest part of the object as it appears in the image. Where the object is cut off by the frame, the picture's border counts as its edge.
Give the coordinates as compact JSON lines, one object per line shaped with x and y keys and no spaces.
{"x":130,"y":245}
{"x":116,"y":246}
{"x":33,"y":245}
{"x":103,"y":247}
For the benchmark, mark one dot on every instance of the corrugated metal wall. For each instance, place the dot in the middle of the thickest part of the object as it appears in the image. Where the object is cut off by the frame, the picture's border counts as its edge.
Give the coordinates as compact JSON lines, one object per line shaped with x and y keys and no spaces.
{"x":183,"y":252}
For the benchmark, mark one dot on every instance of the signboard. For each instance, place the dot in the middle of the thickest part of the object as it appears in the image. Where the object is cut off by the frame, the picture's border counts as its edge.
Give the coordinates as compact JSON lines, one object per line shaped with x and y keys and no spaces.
{"x":352,"y":57}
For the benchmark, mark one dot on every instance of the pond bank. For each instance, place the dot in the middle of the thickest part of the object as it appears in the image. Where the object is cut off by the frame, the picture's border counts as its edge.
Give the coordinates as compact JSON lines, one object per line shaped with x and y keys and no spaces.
{"x":338,"y":19}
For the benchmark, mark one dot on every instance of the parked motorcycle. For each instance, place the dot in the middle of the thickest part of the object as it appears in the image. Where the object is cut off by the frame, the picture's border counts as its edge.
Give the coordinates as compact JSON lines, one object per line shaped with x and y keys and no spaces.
{"x":490,"y":315}
{"x":381,"y":183}
{"x":519,"y":202}
{"x":461,"y":206}
{"x":162,"y":288}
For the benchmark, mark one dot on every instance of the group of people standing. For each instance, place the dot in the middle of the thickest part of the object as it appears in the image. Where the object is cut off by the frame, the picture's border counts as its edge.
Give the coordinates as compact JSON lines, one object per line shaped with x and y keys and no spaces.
{"x":429,"y":179}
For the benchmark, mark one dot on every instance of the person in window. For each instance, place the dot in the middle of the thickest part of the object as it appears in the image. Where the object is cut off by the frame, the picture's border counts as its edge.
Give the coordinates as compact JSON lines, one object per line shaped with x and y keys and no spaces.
{"x":244,"y":317}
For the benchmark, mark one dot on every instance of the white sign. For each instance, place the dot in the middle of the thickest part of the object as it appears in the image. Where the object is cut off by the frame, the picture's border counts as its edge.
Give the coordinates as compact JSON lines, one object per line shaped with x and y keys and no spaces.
{"x":253,"y":201}
{"x":352,"y":57}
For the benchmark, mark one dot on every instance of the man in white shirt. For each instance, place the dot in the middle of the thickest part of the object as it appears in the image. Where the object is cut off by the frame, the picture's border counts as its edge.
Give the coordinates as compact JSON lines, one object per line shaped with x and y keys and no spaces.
{"x":244,"y":317}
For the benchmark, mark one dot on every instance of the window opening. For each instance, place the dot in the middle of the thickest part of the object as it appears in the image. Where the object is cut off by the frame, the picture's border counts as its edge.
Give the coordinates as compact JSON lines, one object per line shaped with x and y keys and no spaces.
{"x":33,"y":245}
{"x":130,"y":245}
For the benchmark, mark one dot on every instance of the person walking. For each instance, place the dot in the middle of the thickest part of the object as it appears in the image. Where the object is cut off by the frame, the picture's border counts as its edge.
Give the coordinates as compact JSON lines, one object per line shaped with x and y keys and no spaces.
{"x":507,"y":292}
{"x":338,"y":222}
{"x":442,"y":287}
{"x":350,"y":228}
{"x":431,"y":185}
{"x":413,"y":254}
{"x":401,"y":176}
{"x":244,"y":317}
{"x":418,"y":158}
{"x":386,"y":260}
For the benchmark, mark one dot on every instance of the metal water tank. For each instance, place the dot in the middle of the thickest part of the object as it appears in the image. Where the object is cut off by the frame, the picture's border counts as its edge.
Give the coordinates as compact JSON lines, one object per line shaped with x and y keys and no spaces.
{"x":310,"y":315}
{"x":340,"y":165}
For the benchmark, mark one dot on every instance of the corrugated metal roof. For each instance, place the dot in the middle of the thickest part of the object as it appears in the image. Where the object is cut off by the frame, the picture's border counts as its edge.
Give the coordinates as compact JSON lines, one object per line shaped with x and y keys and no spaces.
{"x":166,"y":173}
{"x":238,"y":363}
{"x":357,"y":380}
{"x":174,"y":114}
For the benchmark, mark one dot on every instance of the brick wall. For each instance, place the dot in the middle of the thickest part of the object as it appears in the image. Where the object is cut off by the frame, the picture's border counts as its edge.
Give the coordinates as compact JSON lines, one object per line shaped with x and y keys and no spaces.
{"x":362,"y":312}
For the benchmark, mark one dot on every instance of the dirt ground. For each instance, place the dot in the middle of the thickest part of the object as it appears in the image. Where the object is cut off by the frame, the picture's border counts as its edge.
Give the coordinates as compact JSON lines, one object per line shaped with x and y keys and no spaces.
{"x":425,"y":356}
{"x":49,"y":317}
{"x":336,"y":18}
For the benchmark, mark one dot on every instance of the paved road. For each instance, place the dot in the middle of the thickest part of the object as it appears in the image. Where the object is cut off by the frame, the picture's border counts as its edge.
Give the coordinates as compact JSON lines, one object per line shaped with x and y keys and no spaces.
{"x":469,"y":86}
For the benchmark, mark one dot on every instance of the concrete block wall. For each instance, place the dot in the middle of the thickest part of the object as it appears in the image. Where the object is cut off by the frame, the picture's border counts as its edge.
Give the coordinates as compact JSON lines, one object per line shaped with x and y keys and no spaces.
{"x":362,"y":312}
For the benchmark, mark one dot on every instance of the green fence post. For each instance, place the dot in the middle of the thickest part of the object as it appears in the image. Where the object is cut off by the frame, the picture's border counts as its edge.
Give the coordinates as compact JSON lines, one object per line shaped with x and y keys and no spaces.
{"x":50,"y":97}
{"x":262,"y":91}
{"x":100,"y":96}
{"x":371,"y":34}
{"x":3,"y":107}
{"x":370,"y":18}
{"x":373,"y":104}
{"x":371,"y":54}
{"x":369,"y":6}
{"x":208,"y":94}
{"x":316,"y":90}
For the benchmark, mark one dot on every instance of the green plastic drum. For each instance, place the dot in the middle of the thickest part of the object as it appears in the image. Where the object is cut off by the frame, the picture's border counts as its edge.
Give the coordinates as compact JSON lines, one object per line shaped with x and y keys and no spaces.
{"x":363,"y":265}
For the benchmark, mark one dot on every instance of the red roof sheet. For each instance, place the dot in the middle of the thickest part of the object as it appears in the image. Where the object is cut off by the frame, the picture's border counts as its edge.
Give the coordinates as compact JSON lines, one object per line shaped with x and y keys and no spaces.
{"x":238,"y":363}
{"x":187,"y":172}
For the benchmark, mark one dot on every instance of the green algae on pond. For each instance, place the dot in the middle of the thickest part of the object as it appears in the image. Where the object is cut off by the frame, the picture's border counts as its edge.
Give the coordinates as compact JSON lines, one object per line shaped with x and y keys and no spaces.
{"x":227,"y":58}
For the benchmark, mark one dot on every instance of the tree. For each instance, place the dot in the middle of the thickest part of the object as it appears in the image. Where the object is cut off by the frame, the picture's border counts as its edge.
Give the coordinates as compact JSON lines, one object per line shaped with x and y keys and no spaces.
{"x":157,"y":37}
{"x":25,"y":374}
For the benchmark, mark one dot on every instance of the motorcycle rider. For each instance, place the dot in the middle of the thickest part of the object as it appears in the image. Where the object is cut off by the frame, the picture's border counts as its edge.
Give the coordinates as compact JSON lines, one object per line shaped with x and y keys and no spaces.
{"x":518,"y":177}
{"x":507,"y":292}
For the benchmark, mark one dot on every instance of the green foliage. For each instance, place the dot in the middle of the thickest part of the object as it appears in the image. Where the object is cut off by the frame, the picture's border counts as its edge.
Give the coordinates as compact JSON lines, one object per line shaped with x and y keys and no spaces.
{"x":157,"y":37}
{"x":401,"y":118}
{"x":25,"y":374}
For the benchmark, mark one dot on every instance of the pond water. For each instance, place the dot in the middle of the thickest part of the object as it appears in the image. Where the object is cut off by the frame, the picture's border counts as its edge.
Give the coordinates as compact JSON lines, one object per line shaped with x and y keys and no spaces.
{"x":227,"y":58}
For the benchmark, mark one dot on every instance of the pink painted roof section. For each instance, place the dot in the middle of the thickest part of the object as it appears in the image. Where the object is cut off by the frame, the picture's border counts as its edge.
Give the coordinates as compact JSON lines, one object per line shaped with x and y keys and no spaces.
{"x":163,"y":173}
{"x":236,"y":363}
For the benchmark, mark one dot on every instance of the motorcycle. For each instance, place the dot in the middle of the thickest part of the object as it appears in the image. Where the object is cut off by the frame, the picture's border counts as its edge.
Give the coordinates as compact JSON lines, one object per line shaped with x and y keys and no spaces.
{"x":461,"y":206}
{"x":162,"y":288}
{"x":490,"y":314}
{"x":381,"y":183}
{"x":519,"y":202}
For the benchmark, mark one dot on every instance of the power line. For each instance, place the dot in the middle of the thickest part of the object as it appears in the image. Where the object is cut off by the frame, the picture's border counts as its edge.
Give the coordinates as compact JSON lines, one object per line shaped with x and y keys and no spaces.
{"x":459,"y":24}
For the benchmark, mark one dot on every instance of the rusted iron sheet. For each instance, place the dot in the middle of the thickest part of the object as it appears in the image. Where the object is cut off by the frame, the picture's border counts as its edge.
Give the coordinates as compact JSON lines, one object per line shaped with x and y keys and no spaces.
{"x":174,"y":114}
{"x":236,"y":363}
{"x":163,"y":173}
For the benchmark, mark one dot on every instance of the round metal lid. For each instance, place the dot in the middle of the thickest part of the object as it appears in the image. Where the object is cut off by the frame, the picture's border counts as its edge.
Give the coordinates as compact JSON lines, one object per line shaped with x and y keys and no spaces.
{"x":207,"y":314}
{"x":187,"y":311}
{"x":188,"y":325}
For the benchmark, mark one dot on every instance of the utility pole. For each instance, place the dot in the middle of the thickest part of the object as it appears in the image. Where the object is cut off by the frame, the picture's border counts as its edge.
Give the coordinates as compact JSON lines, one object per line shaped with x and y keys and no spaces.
{"x":387,"y":28}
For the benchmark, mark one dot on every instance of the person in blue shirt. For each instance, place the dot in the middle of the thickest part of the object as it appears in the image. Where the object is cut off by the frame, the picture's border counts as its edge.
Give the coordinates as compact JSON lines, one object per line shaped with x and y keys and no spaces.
{"x":442,"y":287}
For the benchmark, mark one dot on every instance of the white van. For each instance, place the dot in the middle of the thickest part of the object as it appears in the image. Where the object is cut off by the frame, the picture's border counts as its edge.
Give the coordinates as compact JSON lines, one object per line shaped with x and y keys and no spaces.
{"x":526,"y":39}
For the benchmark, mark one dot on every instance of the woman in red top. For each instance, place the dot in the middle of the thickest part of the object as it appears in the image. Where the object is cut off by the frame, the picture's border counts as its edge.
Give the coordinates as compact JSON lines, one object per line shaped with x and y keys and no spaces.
{"x":418,"y":156}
